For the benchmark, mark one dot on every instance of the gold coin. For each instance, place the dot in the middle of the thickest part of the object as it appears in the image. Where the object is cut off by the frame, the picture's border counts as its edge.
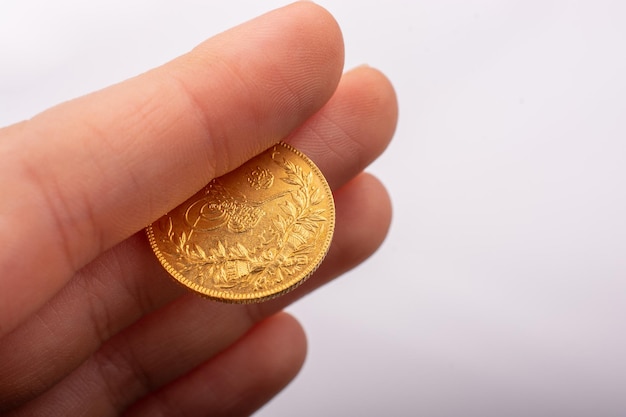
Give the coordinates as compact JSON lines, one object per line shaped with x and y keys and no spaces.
{"x":252,"y":234}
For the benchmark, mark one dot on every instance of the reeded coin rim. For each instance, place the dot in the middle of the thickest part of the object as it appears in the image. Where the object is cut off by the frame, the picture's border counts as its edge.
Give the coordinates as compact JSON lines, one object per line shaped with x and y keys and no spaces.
{"x":248,"y":298}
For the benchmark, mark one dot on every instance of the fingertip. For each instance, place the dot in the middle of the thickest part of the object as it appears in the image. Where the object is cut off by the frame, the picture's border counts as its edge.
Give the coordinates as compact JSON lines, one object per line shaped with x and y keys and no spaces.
{"x":284,"y":330}
{"x":368,"y":199}
{"x":279,"y":68}
{"x":353,"y":128}
{"x":323,"y":23}
{"x":378,"y":95}
{"x":314,"y":28}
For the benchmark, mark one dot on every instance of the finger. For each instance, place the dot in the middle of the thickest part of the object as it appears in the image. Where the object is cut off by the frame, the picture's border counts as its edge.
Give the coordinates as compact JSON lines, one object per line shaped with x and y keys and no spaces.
{"x":128,"y":282}
{"x":171,"y":341}
{"x":85,"y":175}
{"x":240,"y":379}
{"x":343,"y":138}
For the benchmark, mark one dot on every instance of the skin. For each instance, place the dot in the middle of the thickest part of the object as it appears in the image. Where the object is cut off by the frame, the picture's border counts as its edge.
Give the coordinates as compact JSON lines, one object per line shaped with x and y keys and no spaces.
{"x":90,"y":324}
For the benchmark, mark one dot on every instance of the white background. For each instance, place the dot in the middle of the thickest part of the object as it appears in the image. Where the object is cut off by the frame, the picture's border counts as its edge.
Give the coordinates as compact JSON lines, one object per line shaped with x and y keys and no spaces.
{"x":500,"y":289}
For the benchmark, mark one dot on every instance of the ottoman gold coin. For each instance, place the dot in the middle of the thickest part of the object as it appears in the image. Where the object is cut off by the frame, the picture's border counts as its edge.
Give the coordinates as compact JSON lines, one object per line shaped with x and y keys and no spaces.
{"x":252,"y":234}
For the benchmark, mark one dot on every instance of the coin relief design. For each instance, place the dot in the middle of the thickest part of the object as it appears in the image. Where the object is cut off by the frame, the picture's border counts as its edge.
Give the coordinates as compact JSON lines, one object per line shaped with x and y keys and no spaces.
{"x":252,"y":234}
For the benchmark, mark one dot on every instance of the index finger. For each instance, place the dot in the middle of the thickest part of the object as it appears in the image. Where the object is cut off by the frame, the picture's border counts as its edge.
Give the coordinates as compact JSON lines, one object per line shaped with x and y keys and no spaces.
{"x":89,"y":173}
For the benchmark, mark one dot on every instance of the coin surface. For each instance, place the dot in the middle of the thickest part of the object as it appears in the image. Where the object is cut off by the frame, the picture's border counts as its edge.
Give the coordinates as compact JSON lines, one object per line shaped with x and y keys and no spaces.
{"x":252,"y":234}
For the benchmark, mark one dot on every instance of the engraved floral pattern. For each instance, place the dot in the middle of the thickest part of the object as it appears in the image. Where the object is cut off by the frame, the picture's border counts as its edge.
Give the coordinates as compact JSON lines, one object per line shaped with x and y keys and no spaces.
{"x":282,"y":249}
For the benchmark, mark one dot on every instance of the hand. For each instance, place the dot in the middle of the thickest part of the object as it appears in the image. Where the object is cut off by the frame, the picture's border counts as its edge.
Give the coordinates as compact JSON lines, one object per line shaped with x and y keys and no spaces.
{"x":90,"y":323}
